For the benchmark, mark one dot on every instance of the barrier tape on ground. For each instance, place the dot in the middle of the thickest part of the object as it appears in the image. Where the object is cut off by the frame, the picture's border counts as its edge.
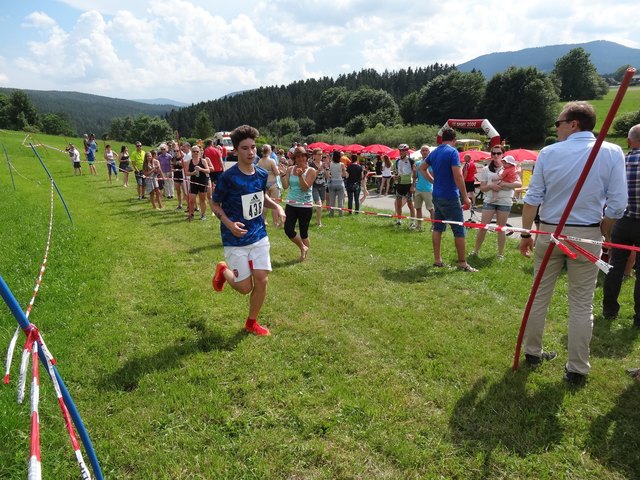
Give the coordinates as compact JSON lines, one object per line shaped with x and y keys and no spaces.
{"x":36,"y":348}
{"x":26,"y":178}
{"x":24,"y":364}
{"x":12,"y":343}
{"x":35,"y":467}
{"x":67,"y":405}
{"x":46,"y":255}
{"x":64,"y":204}
{"x":9,"y":359}
{"x":159,"y":177}
{"x":84,"y":471}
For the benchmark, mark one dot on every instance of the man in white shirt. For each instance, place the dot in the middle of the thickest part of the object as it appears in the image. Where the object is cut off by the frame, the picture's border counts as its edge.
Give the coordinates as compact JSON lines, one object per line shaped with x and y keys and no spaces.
{"x":557,"y":170}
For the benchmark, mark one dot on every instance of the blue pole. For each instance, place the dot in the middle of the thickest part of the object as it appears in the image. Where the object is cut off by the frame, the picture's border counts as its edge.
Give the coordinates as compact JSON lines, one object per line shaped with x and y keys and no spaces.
{"x":54,"y":182}
{"x":9,"y":163}
{"x":24,"y":323}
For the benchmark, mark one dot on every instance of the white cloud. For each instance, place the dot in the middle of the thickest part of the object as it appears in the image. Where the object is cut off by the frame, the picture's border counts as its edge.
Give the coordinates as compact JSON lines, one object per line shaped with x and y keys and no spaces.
{"x":197,"y":50}
{"x":39,"y":20}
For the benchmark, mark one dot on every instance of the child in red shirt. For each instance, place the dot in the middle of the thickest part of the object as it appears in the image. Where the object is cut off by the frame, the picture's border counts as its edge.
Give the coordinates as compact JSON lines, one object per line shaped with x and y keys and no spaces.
{"x":510,"y":171}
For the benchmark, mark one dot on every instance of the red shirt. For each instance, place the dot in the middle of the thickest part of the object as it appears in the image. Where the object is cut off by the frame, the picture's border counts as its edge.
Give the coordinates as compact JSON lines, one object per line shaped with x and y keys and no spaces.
{"x":213,"y":154}
{"x":471,"y":172}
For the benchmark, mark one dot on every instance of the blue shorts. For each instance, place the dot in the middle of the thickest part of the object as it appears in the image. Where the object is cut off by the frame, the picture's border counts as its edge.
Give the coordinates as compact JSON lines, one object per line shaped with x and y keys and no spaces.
{"x":448,"y":209}
{"x":111,"y":167}
{"x":496,"y":208}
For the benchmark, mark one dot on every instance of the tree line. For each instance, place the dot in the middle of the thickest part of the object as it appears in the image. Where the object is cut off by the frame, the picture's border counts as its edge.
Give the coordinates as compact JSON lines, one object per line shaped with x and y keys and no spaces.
{"x":85,"y":113}
{"x":520,"y":102}
{"x":18,"y":113}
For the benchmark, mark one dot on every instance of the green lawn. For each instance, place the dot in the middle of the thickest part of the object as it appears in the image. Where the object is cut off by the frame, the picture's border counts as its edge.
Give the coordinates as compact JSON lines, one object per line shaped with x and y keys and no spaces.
{"x":630,"y":103}
{"x":379,"y":365}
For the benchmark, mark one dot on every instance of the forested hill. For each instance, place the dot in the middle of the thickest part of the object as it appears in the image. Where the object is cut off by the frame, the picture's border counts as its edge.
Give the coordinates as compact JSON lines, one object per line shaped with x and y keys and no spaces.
{"x":300,"y":99}
{"x":89,"y":113}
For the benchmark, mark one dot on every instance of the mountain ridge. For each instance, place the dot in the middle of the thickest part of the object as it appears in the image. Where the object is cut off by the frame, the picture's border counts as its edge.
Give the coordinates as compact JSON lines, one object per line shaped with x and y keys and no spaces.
{"x":88,"y":112}
{"x":161,"y":101}
{"x":606,"y":56}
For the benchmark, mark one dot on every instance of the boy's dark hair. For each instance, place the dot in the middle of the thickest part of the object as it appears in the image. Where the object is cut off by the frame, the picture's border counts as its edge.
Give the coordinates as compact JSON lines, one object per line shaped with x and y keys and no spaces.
{"x":242,"y":133}
{"x":208,"y":142}
{"x":448,"y":134}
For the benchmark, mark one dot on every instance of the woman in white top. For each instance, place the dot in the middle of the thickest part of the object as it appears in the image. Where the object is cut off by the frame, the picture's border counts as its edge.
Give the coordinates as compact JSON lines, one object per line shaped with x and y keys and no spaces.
{"x":385,"y":184}
{"x":498,"y":197}
{"x":110,"y":156}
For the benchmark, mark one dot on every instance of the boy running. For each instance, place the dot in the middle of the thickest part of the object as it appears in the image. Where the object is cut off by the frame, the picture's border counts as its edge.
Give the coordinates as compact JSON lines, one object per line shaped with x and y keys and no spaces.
{"x":238,"y":200}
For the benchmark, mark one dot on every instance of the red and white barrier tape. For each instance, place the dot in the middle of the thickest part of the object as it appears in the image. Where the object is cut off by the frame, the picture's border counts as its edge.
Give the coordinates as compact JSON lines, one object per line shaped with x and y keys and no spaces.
{"x":12,"y":343}
{"x":44,"y":261}
{"x":26,"y":178}
{"x":33,"y":342}
{"x":35,"y":467}
{"x":24,"y":364}
{"x":186,"y":177}
{"x":84,"y":471}
{"x":601,"y":264}
{"x":9,"y":359}
{"x":484,"y":226}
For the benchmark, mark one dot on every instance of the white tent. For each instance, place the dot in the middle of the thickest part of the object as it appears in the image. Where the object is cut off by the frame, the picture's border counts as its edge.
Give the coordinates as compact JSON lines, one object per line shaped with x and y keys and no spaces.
{"x":417,"y":155}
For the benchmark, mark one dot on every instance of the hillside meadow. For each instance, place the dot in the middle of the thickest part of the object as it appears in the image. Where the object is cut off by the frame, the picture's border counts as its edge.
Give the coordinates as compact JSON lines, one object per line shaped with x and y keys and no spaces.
{"x":630,"y":103}
{"x":379,"y":365}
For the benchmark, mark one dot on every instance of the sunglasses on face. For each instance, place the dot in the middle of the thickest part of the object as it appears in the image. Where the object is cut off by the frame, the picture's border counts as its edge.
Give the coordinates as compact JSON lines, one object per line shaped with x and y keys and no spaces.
{"x":558,"y":122}
{"x":496,"y":153}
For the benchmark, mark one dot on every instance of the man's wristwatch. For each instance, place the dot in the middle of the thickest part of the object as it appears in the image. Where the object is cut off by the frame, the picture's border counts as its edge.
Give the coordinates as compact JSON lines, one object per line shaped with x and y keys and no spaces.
{"x":525,"y":235}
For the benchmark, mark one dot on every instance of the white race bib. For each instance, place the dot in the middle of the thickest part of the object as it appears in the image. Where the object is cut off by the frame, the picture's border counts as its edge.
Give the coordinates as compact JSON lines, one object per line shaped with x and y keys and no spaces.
{"x":252,"y":205}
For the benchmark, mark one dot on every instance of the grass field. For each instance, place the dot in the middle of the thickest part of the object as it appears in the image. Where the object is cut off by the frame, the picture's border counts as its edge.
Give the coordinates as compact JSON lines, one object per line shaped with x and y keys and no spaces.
{"x":379,"y":365}
{"x":630,"y":103}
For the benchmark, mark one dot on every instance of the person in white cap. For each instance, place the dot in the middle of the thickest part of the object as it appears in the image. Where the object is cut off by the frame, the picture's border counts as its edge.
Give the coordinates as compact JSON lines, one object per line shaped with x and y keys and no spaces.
{"x":510,"y":172}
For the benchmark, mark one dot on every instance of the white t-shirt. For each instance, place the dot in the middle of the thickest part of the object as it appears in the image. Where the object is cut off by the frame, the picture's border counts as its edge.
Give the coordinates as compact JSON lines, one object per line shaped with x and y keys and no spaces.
{"x":75,"y":155}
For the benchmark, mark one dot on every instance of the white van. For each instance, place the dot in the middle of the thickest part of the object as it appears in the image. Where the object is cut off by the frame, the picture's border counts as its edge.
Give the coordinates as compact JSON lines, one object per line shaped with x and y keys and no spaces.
{"x":223,"y":139}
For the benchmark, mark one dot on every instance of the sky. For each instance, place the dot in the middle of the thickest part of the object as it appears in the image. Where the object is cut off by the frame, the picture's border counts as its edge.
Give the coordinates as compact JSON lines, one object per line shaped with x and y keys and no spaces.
{"x":196,"y":50}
